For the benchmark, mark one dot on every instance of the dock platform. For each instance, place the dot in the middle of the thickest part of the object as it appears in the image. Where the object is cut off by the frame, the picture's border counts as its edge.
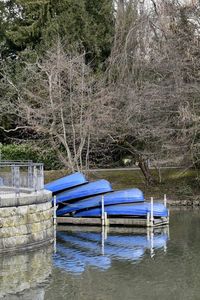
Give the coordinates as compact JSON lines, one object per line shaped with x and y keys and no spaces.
{"x":127,"y":222}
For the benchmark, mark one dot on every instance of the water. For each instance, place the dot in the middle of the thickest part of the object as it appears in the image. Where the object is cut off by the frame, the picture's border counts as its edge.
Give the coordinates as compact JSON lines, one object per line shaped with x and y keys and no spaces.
{"x":119,"y":264}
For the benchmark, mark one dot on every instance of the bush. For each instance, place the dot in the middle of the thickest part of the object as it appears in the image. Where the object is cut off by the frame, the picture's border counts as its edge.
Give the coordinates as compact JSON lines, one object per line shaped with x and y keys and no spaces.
{"x":185,"y":190}
{"x":28,"y":152}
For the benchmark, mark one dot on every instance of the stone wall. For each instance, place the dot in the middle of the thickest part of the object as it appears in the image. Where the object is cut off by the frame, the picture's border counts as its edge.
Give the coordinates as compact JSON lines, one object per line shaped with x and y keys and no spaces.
{"x":26,"y":225}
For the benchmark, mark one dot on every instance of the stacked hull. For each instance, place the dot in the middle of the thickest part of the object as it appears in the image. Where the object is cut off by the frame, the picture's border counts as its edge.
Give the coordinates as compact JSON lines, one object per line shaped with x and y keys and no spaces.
{"x":135,"y":210}
{"x":81,"y":192}
{"x":66,"y":182}
{"x":118,"y":197}
{"x":80,"y":198}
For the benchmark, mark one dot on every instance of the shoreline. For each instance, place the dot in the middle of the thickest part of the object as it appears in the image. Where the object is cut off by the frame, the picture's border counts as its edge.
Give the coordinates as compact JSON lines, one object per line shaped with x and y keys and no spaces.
{"x":181,"y":188}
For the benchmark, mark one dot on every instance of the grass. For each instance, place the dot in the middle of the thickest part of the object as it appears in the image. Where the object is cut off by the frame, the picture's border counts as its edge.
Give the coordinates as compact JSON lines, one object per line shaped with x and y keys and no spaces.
{"x":176,"y":183}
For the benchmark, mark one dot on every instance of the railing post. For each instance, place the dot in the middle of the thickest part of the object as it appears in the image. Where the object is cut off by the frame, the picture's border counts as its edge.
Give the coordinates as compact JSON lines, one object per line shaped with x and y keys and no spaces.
{"x":41,"y":176}
{"x":35,"y":183}
{"x":13,"y":176}
{"x":16,"y":179}
{"x":30,"y":175}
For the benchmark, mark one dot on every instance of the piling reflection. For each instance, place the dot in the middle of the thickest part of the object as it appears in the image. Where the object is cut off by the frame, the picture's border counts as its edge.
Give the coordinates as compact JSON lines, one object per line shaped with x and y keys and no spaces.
{"x":25,"y":275}
{"x":80,"y":248}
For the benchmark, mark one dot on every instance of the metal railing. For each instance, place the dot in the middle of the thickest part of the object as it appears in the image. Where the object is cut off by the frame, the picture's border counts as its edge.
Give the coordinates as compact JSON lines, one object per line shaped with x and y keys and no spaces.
{"x":21,"y":176}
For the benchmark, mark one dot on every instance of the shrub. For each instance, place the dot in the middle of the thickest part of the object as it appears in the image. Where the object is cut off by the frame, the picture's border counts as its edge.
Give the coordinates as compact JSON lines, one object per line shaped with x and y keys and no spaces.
{"x":28,"y":152}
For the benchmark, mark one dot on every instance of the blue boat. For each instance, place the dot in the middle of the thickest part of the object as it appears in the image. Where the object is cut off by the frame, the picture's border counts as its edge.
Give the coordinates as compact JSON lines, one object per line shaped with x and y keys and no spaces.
{"x":66,"y":182}
{"x":118,"y":197}
{"x":86,"y":190}
{"x":159,"y":210}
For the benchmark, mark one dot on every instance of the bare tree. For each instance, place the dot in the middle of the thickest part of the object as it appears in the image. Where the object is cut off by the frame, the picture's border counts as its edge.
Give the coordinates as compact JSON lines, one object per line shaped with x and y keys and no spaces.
{"x":57,"y":97}
{"x":154,"y":79}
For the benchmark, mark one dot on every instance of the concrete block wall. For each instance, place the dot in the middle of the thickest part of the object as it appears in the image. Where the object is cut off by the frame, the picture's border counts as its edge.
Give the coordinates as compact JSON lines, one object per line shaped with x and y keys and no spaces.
{"x":26,"y":225}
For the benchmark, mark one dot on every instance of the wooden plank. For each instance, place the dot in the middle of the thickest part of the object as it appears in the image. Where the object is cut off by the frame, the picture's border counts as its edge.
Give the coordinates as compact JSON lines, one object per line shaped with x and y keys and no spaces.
{"x":128,"y":222}
{"x":133,"y":222}
{"x":79,"y":221}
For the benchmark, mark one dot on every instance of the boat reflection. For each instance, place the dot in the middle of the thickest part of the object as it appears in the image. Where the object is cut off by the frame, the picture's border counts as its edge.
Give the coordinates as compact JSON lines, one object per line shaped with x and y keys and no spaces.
{"x":78,"y":248}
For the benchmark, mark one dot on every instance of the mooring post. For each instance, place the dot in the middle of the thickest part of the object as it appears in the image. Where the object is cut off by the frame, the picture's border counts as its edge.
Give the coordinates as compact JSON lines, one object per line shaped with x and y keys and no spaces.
{"x":54,"y":239}
{"x":102,"y":211}
{"x":151,"y":216}
{"x":106,"y":219}
{"x":148,"y":219}
{"x":152,"y":244}
{"x":148,"y":234}
{"x":102,"y":240}
{"x":54,"y":210}
{"x":106,"y":231}
{"x":165,"y":200}
{"x":168,"y":216}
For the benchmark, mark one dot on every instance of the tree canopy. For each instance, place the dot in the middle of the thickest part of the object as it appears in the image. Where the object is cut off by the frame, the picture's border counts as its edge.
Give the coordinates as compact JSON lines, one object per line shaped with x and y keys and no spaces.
{"x":99,"y":79}
{"x":36,"y":24}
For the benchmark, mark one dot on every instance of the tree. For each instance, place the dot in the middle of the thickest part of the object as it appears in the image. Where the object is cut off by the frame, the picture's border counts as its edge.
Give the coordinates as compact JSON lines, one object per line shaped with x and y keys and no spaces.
{"x":154,"y":79}
{"x":36,"y":24}
{"x":57,"y":98}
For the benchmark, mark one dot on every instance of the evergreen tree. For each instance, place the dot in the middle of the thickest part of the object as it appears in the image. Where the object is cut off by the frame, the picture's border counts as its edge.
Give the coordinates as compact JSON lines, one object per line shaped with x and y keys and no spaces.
{"x":35,"y":24}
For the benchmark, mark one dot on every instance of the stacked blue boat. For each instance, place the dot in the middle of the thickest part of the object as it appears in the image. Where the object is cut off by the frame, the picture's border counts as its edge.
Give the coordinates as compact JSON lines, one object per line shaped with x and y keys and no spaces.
{"x":77,"y":197}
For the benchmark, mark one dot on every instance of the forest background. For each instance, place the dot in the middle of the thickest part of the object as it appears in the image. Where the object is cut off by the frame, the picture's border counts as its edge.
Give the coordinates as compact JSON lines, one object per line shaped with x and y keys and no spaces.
{"x":101,"y":83}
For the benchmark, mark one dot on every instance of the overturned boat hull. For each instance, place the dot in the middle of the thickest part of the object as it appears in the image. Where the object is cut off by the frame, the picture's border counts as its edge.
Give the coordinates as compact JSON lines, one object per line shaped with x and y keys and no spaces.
{"x":119,"y":197}
{"x":66,"y":182}
{"x":86,"y":190}
{"x":130,"y":210}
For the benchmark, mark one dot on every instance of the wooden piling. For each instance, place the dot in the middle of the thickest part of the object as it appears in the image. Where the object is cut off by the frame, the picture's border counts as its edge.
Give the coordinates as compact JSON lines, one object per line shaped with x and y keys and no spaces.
{"x":54,"y":210}
{"x":151,"y":214}
{"x":165,"y":200}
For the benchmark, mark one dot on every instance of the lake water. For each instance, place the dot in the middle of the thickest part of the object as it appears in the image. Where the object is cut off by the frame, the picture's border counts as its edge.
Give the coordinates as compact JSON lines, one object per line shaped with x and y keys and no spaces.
{"x":115,"y":264}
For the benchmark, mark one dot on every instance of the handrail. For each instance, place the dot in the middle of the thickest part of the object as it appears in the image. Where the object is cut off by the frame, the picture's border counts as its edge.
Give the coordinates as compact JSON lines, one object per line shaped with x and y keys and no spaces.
{"x":18,"y":175}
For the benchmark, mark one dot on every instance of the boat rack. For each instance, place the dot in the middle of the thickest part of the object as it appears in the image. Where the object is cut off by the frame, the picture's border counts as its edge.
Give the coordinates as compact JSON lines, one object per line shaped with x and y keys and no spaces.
{"x":149,"y":221}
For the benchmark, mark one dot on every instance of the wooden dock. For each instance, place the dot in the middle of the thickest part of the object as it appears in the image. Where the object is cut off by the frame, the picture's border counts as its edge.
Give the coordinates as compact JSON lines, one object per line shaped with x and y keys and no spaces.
{"x":127,"y":222}
{"x":149,"y":221}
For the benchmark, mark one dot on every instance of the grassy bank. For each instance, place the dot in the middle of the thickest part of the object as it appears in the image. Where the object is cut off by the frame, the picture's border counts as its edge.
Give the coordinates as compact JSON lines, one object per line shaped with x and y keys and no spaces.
{"x":176,"y":183}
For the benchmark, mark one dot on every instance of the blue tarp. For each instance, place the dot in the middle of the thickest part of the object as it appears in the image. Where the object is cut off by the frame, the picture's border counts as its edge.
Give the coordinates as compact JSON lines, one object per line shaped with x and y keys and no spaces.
{"x":86,"y":190}
{"x":159,"y":210}
{"x":66,"y":182}
{"x":118,"y":197}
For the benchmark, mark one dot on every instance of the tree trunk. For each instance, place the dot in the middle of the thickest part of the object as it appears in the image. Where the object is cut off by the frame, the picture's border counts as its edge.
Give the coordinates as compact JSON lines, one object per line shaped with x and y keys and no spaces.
{"x":142,"y":163}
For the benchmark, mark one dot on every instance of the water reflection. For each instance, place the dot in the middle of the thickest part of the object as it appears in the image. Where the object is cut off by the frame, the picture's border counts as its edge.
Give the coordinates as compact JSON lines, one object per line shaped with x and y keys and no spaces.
{"x":25,"y":275}
{"x":80,"y":248}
